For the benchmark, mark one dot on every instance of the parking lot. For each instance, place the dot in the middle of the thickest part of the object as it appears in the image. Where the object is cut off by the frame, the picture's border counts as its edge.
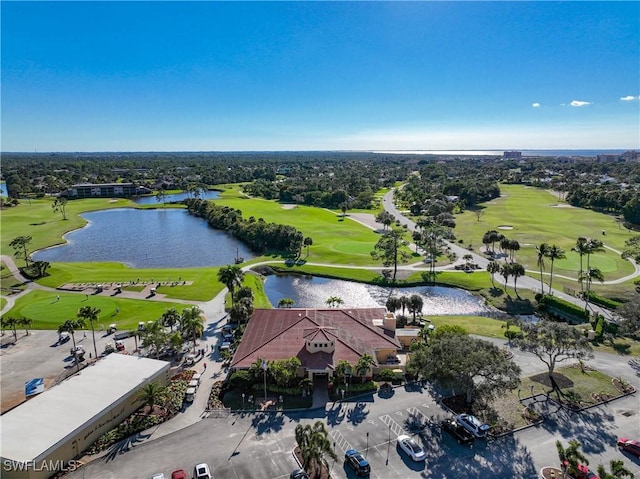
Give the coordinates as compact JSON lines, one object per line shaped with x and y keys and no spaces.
{"x":260,"y":445}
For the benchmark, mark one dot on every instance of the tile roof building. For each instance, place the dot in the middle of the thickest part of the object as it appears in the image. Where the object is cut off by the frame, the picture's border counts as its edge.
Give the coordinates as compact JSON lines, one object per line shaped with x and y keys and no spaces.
{"x":319,"y":338}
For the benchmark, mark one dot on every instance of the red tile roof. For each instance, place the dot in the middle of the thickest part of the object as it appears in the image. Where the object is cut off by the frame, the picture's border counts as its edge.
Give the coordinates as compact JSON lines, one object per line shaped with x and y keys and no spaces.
{"x":282,"y":333}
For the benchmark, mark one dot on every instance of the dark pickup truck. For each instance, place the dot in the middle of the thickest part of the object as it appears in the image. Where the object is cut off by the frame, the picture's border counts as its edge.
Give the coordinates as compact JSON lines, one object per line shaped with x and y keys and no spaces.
{"x":458,"y":432}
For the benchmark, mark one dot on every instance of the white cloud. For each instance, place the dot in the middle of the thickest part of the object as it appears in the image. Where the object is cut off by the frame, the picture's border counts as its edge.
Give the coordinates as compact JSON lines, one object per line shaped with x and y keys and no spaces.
{"x":580,"y":103}
{"x":536,"y":105}
{"x":630,"y":98}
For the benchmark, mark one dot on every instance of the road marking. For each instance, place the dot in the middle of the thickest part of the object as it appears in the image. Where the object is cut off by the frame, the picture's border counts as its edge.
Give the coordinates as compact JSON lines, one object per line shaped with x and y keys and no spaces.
{"x":340,"y":440}
{"x":392,"y":424}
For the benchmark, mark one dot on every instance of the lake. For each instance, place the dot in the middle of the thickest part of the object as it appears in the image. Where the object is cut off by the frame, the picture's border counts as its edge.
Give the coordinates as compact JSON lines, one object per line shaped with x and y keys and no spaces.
{"x":175,"y":197}
{"x":157,"y":238}
{"x":313,"y":292}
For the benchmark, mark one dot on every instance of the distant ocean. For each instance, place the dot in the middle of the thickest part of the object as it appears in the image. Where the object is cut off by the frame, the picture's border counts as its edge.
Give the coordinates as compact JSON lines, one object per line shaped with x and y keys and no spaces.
{"x":500,"y":152}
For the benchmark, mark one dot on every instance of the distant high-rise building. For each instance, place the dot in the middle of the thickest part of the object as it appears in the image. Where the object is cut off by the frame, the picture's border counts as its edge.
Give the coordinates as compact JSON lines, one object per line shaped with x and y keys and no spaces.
{"x":512,"y":155}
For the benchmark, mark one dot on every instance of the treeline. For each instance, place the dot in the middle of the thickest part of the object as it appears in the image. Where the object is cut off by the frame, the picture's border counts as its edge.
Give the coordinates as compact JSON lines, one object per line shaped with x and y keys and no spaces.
{"x":257,"y":234}
{"x":609,"y":198}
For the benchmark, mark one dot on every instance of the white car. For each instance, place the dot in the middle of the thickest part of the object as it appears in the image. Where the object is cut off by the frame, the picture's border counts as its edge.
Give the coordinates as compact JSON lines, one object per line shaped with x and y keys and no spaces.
{"x":202,"y":471}
{"x":412,"y":448}
{"x":474,"y":425}
{"x":158,"y":476}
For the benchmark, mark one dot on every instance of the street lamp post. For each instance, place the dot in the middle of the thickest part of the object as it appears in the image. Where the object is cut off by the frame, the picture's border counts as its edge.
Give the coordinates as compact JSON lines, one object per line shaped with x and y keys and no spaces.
{"x":242,"y":400}
{"x":366,"y":451}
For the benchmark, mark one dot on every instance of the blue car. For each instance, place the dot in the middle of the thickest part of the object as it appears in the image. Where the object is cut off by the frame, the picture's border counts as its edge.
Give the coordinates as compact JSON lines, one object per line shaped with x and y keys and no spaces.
{"x":357,"y":462}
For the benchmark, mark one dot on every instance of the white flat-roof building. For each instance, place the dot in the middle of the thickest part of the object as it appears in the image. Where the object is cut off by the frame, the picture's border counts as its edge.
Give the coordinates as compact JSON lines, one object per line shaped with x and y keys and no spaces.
{"x":41,"y":435}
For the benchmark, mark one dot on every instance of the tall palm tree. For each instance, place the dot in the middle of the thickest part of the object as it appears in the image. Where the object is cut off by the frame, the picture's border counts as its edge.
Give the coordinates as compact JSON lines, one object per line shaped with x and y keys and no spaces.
{"x":13,"y":323}
{"x":334,"y":301}
{"x":553,"y":254}
{"x":393,"y":304}
{"x":231,"y":276}
{"x":343,"y":367}
{"x":581,"y":248}
{"x":313,"y":442}
{"x":543,"y":252}
{"x":170,"y":317}
{"x":286,"y":303}
{"x":589,"y":275}
{"x":415,"y":305}
{"x":570,"y":457}
{"x":90,"y":314}
{"x":514,"y":247}
{"x":617,"y":470}
{"x":308,"y":242}
{"x":404,"y":303}
{"x":505,"y":271}
{"x":151,"y":394}
{"x":191,"y":322}
{"x":241,"y":311}
{"x":517,"y":270}
{"x":26,"y":324}
{"x":70,"y":326}
{"x":364,"y":364}
{"x":493,"y":267}
{"x":593,"y":246}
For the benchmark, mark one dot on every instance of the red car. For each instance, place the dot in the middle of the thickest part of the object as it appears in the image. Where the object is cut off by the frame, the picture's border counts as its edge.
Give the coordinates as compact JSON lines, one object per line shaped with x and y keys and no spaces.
{"x":179,"y":474}
{"x":629,"y":445}
{"x":583,"y":472}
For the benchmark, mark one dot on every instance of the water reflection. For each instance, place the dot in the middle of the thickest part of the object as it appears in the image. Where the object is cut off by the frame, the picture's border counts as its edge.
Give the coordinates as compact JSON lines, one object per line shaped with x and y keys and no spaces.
{"x":313,"y":292}
{"x":158,"y":238}
{"x":175,"y":197}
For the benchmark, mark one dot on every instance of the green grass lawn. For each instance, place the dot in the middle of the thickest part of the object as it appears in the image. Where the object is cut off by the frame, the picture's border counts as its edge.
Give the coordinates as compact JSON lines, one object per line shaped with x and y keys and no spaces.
{"x":535,"y":218}
{"x":48,"y":313}
{"x":336,"y":240}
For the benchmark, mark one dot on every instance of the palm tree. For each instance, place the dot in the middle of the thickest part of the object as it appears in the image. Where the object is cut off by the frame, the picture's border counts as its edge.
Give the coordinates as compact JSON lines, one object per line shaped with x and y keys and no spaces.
{"x":415,"y":305}
{"x":170,"y":318}
{"x":589,"y":275}
{"x":616,"y":470}
{"x":393,"y":304}
{"x":581,"y":248}
{"x":570,"y":457}
{"x":543,"y":252}
{"x":334,"y":301}
{"x":364,"y":364}
{"x":70,"y":326}
{"x":553,"y":254}
{"x":12,"y":323}
{"x":505,"y":271}
{"x":517,"y":270}
{"x":26,"y":324}
{"x":241,"y":311}
{"x":191,"y":323}
{"x":151,"y":394}
{"x":313,"y":442}
{"x":593,"y":246}
{"x":231,"y":276}
{"x":286,"y":303}
{"x":307,"y":242}
{"x":342,"y":369}
{"x":90,"y":314}
{"x":404,"y":303}
{"x":514,"y":247}
{"x":161,"y":196}
{"x":493,"y":267}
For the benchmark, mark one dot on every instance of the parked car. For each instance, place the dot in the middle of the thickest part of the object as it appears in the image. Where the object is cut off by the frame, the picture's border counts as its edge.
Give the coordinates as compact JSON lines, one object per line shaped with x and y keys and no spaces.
{"x":112,"y":328}
{"x":77,"y":350}
{"x":411,"y":448}
{"x":190,"y":359}
{"x":629,"y":445}
{"x":193,"y":384}
{"x":64,"y":337}
{"x":202,"y":471}
{"x":474,"y":425}
{"x":158,"y":476}
{"x":196,"y":377}
{"x":179,"y":474}
{"x":357,"y":462}
{"x":457,"y":431}
{"x":119,"y":345}
{"x":298,"y":474}
{"x":583,"y":472}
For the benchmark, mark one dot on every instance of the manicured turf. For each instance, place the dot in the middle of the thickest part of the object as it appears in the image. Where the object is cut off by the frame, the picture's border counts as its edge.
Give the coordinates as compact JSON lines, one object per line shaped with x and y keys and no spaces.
{"x":535,"y":218}
{"x":48,"y":313}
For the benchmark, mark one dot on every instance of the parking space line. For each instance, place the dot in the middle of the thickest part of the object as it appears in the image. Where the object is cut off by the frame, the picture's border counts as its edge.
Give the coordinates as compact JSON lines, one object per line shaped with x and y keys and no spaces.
{"x":340,"y":440}
{"x":392,"y":424}
{"x":414,"y":411}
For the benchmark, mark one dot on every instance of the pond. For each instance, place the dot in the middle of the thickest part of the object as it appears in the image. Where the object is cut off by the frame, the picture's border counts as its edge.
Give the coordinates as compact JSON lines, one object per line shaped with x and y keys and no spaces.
{"x":313,"y":292}
{"x":158,"y":238}
{"x":175,"y":197}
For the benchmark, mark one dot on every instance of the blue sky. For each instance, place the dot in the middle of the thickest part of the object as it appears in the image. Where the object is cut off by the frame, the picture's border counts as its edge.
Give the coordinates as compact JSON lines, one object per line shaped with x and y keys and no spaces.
{"x":199,"y":76}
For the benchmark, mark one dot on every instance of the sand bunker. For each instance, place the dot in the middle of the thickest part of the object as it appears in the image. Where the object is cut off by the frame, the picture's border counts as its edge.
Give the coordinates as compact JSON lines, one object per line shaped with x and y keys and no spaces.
{"x":562,"y":205}
{"x":505,"y":227}
{"x":288,"y":206}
